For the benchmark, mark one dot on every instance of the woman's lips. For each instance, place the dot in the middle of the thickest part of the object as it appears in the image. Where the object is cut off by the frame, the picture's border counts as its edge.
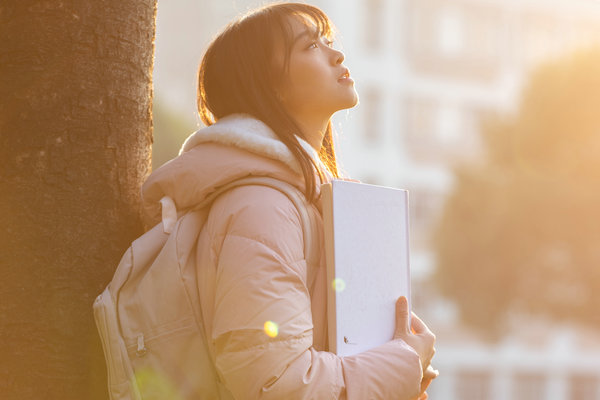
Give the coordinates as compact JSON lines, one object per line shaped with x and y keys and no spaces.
{"x":345,"y":77}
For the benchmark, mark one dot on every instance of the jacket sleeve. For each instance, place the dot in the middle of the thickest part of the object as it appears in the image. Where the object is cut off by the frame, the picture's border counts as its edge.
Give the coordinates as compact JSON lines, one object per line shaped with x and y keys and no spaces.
{"x":261,"y":278}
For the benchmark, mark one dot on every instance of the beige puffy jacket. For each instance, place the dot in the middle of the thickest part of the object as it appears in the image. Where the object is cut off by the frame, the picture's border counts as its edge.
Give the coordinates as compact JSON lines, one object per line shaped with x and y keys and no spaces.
{"x":251,"y":269}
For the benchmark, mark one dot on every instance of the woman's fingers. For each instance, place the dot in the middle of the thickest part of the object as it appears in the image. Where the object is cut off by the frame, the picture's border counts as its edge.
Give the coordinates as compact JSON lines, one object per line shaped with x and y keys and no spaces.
{"x":401,"y":317}
{"x":428,"y":375}
{"x":417,"y":326}
{"x":422,"y":340}
{"x":420,"y":330}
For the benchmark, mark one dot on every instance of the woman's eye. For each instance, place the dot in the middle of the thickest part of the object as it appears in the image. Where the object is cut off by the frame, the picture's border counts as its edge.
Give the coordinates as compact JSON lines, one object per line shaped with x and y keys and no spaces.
{"x":325,"y":41}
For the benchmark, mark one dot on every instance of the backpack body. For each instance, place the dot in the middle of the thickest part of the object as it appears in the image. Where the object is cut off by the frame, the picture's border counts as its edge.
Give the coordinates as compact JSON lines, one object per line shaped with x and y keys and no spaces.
{"x":149,"y":316}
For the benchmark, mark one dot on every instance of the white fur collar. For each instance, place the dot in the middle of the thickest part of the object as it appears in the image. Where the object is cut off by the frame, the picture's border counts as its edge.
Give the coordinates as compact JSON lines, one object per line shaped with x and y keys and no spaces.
{"x":248,"y":133}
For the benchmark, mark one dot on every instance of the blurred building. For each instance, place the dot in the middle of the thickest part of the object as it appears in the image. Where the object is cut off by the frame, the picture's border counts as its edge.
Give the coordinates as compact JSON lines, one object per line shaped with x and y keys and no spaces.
{"x":427,"y":72}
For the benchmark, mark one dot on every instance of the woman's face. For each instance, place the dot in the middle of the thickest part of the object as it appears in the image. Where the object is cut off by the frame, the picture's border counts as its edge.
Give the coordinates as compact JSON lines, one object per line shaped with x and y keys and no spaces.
{"x":317,"y":84}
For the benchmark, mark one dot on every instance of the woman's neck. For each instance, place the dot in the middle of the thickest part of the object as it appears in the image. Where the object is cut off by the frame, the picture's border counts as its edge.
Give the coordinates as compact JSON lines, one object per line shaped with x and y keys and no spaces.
{"x":313,"y":131}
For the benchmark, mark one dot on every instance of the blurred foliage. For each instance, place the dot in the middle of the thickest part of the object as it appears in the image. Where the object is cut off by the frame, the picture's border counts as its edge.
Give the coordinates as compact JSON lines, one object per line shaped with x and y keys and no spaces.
{"x":520,"y":232}
{"x":170,"y":131}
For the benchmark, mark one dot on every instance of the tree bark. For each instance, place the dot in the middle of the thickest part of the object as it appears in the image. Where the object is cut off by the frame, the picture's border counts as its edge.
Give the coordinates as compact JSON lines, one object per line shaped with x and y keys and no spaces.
{"x":75,"y":139}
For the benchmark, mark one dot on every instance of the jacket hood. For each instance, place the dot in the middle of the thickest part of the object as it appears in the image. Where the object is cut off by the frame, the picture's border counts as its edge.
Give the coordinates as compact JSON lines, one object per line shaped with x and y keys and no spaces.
{"x":234,"y":147}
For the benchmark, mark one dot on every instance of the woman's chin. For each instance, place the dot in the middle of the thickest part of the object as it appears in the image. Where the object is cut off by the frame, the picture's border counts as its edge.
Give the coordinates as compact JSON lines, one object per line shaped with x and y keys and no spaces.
{"x":352,"y":101}
{"x":349,"y":100}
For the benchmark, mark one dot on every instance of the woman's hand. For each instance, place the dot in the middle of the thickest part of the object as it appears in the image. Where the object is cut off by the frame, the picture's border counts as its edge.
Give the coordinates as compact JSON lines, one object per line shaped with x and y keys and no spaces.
{"x":429,"y":375}
{"x":419,"y":337}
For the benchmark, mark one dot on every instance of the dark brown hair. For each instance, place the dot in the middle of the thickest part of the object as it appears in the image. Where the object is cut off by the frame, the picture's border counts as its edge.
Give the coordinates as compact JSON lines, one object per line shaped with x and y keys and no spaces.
{"x":237,"y":75}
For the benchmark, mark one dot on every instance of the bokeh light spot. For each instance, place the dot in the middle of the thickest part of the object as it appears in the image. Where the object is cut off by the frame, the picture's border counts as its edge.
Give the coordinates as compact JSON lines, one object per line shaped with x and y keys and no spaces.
{"x":338,"y":285}
{"x":271,"y":329}
{"x":152,"y":383}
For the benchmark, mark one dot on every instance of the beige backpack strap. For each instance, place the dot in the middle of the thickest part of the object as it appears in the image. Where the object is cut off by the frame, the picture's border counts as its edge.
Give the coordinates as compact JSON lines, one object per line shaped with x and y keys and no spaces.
{"x":307,"y":217}
{"x":307,"y":220}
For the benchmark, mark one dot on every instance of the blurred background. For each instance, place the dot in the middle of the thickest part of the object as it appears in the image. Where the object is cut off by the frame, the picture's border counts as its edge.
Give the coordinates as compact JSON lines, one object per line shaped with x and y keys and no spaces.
{"x":488,"y":111}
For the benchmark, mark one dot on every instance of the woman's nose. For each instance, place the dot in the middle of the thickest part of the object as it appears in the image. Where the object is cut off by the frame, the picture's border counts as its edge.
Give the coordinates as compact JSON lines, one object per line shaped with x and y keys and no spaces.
{"x":338,"y":57}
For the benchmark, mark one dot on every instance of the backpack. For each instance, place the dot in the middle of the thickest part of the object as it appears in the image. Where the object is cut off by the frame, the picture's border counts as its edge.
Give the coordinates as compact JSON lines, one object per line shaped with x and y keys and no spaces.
{"x":148,"y":317}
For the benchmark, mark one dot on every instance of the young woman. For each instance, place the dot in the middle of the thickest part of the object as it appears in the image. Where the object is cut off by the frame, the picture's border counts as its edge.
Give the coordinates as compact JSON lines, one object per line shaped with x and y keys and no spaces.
{"x":268,"y":86}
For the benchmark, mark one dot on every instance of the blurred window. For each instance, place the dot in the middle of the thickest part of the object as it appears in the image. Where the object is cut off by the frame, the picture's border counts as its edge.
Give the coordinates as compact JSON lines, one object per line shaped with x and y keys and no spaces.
{"x":459,"y":39}
{"x":451,"y":35}
{"x":424,"y":208}
{"x":373,"y":22}
{"x":440,"y":131}
{"x":473,"y":385}
{"x":584,"y":387}
{"x":370,"y":108}
{"x":529,"y":386}
{"x":418,"y":293}
{"x":449,"y":123}
{"x":420,"y":127}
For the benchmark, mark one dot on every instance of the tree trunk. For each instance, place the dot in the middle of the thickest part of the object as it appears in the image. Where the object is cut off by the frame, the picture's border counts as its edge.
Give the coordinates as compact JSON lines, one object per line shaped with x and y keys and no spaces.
{"x":75,"y":137}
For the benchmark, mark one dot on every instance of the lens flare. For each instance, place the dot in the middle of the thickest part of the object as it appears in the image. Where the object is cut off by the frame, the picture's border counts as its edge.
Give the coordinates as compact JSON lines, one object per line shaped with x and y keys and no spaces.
{"x":271,"y":329}
{"x":154,"y":383}
{"x":338,"y":285}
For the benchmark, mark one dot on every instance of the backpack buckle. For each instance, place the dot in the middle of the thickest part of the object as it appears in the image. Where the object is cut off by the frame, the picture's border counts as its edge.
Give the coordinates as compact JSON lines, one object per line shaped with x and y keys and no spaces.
{"x":141,"y":348}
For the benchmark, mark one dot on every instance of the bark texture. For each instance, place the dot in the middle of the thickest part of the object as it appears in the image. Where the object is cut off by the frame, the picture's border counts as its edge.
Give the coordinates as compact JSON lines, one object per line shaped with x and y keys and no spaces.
{"x":75,"y":139}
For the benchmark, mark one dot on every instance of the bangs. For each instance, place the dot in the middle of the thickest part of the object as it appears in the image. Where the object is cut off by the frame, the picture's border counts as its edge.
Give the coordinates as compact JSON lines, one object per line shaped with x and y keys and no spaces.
{"x":278,"y":14}
{"x":318,"y":19}
{"x":311,"y":16}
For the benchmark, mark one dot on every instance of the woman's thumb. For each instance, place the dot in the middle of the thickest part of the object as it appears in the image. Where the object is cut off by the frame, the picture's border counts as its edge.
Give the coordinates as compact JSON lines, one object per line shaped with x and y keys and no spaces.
{"x":401,"y":316}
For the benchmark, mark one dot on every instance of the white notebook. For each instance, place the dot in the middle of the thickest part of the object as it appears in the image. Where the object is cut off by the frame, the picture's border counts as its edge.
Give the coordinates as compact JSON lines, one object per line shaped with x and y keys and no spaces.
{"x":366,"y":245}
